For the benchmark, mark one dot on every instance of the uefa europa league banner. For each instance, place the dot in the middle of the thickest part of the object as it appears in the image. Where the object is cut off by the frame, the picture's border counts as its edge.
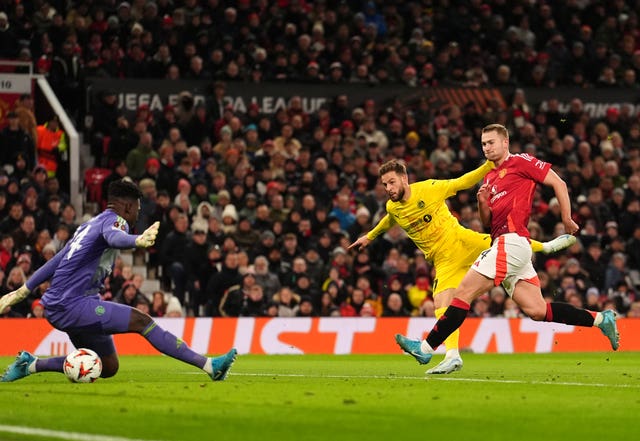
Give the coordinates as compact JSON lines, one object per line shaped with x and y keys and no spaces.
{"x":272,"y":96}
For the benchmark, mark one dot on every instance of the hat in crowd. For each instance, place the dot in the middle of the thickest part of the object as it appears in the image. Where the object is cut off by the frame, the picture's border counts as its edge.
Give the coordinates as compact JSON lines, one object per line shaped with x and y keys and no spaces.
{"x":230,"y":211}
{"x":226,"y":130}
{"x":618,"y":191}
{"x":334,"y":131}
{"x":152,"y":162}
{"x":124,"y":5}
{"x":24,"y":258}
{"x":613,"y":111}
{"x":250,"y":127}
{"x":214,"y":247}
{"x":346,"y":124}
{"x":313,"y":65}
{"x":273,"y":185}
{"x":593,"y":291}
{"x":49,"y":248}
{"x":338,"y":250}
{"x":267,"y":235}
{"x":581,"y":199}
{"x":611,"y":224}
{"x":552,"y":262}
{"x":572,"y":261}
{"x":173,"y":306}
{"x":335,"y":65}
{"x":413,"y":135}
{"x":224,"y":194}
{"x":199,"y":226}
{"x":363,"y":211}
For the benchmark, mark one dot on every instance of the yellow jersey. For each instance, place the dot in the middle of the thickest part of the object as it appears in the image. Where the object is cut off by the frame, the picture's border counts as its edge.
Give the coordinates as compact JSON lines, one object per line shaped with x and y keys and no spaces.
{"x":425,"y":215}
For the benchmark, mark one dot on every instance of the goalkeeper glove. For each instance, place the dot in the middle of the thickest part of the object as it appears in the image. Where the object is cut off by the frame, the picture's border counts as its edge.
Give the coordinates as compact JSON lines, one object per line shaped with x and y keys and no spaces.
{"x":148,"y":238}
{"x":13,"y":297}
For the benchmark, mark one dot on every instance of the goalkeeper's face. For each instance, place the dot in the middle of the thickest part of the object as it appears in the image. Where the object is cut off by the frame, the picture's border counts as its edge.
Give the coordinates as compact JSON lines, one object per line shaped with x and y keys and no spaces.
{"x":131,"y":211}
{"x":395,"y":185}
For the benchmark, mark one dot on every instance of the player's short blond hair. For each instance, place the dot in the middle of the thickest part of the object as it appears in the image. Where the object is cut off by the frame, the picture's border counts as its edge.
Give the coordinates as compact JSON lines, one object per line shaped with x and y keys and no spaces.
{"x":392,"y":166}
{"x":502,"y":130}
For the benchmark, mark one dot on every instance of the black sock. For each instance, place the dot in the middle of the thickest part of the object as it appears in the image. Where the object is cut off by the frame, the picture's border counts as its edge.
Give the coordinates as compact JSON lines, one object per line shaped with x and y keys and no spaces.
{"x":568,"y":314}
{"x":450,"y":321}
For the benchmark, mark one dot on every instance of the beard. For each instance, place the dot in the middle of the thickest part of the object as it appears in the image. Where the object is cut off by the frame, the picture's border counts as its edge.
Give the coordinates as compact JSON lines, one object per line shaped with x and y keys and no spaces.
{"x":399,"y":196}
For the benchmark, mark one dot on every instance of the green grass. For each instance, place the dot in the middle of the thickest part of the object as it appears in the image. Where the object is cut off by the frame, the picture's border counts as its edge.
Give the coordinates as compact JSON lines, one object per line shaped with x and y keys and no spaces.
{"x":574,"y":396}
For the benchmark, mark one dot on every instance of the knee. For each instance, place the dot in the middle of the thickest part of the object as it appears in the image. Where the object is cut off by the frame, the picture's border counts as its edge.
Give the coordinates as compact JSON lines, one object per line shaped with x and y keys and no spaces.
{"x":139,"y":321}
{"x":538,"y":314}
{"x":110,"y":366}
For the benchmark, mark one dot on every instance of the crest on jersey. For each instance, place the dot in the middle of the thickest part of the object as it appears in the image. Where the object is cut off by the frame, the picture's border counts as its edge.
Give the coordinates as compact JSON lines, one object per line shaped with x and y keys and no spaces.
{"x":502,"y":173}
{"x":420,"y":204}
{"x":120,"y":224}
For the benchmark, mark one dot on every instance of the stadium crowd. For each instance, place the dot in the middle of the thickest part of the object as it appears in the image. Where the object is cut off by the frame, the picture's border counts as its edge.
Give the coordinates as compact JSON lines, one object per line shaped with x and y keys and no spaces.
{"x":257,"y":211}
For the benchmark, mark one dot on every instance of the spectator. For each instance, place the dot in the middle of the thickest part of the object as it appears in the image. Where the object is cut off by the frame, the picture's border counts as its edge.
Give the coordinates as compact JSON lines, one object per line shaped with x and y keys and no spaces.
{"x":219,"y":282}
{"x":173,"y":255}
{"x":16,"y":144}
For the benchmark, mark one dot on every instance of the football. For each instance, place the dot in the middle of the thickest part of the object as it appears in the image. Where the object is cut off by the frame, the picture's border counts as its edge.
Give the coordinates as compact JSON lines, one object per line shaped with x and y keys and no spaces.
{"x":83,"y":366}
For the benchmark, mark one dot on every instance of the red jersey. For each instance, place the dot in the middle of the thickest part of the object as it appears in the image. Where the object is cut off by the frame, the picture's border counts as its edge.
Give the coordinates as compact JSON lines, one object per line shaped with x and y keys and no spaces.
{"x":512,"y":187}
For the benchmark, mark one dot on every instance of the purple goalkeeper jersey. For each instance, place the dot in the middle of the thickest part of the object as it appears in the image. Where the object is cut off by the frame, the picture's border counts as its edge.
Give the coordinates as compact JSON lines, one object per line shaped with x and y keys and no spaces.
{"x":79,"y":269}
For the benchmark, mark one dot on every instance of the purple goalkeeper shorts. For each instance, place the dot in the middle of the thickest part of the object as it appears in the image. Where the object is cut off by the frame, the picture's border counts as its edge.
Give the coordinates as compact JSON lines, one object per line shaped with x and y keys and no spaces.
{"x":90,"y":323}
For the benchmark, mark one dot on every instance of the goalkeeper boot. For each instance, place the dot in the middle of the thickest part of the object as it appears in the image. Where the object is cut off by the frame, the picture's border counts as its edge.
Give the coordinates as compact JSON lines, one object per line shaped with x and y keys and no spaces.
{"x":19,"y":368}
{"x":609,"y":328}
{"x":412,"y":347}
{"x":446,"y":366}
{"x":222,"y":364}
{"x":559,"y":243}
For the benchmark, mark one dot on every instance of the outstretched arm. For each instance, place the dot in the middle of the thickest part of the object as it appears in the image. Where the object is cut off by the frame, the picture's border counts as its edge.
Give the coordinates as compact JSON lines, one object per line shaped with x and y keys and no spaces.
{"x":43,"y":274}
{"x":560,"y":189}
{"x":382,"y":226}
{"x":471,"y":178}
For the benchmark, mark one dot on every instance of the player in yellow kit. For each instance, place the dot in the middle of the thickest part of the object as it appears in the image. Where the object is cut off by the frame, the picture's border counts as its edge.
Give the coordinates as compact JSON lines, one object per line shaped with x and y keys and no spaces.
{"x":421,"y":211}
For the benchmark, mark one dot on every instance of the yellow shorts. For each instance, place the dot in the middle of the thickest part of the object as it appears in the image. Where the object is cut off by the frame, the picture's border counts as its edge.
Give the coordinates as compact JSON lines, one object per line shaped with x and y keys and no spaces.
{"x":454,"y":260}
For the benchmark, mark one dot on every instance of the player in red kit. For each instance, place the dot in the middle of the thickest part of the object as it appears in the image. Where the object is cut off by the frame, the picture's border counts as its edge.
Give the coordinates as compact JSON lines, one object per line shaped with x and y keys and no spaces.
{"x":504,"y":203}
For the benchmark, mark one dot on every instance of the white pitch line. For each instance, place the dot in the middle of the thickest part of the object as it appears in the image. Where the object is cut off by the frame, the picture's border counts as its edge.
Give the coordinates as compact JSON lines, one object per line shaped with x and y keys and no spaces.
{"x":438,"y":378}
{"x":70,"y":436}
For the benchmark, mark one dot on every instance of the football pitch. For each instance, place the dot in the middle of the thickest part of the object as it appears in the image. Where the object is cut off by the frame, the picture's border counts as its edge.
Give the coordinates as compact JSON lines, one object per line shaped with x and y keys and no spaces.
{"x":568,"y":396}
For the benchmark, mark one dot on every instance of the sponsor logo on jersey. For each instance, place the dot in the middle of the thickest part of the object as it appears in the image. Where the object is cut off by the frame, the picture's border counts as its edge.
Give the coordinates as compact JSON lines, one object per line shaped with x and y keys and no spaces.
{"x":99,"y":310}
{"x":421,"y":204}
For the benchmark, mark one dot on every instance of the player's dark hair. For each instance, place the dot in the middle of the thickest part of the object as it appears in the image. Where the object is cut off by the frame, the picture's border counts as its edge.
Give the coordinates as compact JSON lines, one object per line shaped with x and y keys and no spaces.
{"x":502,"y":130}
{"x":392,"y":166}
{"x":123,"y":189}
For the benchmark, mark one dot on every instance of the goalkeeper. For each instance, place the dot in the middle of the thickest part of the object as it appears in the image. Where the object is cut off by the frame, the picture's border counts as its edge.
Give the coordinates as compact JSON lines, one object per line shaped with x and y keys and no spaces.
{"x":72,"y":303}
{"x":421,"y":211}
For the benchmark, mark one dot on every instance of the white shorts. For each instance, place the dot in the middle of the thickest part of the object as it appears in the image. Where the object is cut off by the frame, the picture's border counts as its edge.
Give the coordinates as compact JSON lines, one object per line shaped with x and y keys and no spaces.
{"x":507,"y":262}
